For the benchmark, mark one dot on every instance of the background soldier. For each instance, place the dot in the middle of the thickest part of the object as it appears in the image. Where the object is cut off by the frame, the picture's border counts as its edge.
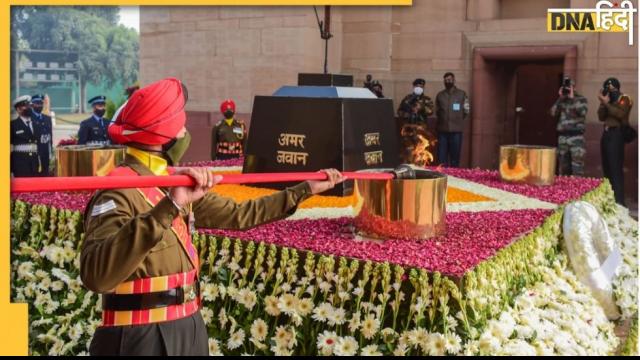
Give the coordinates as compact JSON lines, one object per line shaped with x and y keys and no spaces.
{"x":45,"y":146}
{"x":614,"y":112}
{"x":570,"y":110}
{"x":229,"y":134}
{"x":25,"y":136}
{"x":425,"y":103}
{"x":138,"y":251}
{"x":94,"y":129}
{"x":453,"y":110}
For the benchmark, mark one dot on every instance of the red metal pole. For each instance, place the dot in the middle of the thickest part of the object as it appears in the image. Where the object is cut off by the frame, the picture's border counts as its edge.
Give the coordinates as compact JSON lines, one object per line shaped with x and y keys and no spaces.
{"x":78,"y":183}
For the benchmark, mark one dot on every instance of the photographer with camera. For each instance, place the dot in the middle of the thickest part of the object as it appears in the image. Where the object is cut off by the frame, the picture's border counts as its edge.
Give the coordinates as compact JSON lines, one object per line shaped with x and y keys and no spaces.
{"x":570,"y":110}
{"x":614,"y":112}
{"x":425,"y":104}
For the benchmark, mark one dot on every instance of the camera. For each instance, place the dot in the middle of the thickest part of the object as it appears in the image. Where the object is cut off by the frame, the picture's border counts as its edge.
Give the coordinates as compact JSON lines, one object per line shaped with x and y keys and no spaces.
{"x":566,"y":86}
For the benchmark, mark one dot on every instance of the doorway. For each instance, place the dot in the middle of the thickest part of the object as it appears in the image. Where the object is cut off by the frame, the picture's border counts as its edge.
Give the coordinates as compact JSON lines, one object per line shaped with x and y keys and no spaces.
{"x":537,"y":87}
{"x":513,"y":91}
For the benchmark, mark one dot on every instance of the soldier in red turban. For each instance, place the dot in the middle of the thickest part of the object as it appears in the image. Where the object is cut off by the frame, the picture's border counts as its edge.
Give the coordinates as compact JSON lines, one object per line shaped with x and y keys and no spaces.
{"x":137,"y":251}
{"x":229,"y":135}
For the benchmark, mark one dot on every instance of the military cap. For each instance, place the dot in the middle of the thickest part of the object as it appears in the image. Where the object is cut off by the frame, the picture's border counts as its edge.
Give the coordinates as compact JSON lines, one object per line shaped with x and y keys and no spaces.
{"x":100,"y":99}
{"x":22,"y":100}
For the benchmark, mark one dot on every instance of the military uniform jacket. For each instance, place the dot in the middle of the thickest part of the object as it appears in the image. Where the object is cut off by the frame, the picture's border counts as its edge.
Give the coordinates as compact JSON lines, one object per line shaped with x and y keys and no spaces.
{"x":426,"y":107}
{"x":452,"y":110}
{"x":25,"y":163}
{"x":91,"y":130}
{"x":227,"y":139}
{"x":45,"y":145}
{"x":616,"y":114}
{"x":571,"y":115}
{"x":127,"y":239}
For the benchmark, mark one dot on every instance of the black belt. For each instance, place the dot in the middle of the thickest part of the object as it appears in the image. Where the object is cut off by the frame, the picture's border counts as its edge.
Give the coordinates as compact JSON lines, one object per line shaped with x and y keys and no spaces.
{"x":571,"y":132}
{"x":155,"y":300}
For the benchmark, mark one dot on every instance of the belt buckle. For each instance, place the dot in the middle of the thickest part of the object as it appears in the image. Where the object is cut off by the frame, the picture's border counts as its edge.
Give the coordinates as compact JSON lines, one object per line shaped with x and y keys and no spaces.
{"x":190,"y":293}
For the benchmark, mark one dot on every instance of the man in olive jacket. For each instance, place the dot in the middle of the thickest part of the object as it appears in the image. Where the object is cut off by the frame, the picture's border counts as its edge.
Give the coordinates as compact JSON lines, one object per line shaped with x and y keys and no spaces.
{"x":452,"y":110}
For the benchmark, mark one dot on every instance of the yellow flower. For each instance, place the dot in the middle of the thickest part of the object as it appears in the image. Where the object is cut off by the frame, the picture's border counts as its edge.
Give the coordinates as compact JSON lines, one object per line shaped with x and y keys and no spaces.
{"x":370,"y":326}
{"x":305,"y":306}
{"x":271,"y":305}
{"x":259,"y":329}
{"x":288,"y":304}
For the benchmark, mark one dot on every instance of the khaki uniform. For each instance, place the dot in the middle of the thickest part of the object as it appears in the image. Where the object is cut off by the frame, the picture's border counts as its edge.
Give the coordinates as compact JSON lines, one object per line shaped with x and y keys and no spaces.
{"x":227,"y":141}
{"x":614,"y":115}
{"x":127,"y":239}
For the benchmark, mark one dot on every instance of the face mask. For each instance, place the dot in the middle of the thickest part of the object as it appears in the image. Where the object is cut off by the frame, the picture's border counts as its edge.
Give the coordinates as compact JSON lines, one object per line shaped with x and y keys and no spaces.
{"x":228,"y":114}
{"x":448,"y":85}
{"x":614,"y":95}
{"x":26,"y":112}
{"x":99,"y":113}
{"x":176,"y":148}
{"x":418,"y":90}
{"x":36,"y":109}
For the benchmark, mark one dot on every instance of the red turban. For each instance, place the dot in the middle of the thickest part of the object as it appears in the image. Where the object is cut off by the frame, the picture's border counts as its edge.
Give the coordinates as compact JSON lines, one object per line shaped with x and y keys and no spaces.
{"x":153,"y":115}
{"x":227,"y":105}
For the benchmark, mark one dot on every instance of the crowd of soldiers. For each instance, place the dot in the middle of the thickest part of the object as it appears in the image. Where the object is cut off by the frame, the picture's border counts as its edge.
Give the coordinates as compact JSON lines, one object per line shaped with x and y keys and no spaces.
{"x":32,"y":134}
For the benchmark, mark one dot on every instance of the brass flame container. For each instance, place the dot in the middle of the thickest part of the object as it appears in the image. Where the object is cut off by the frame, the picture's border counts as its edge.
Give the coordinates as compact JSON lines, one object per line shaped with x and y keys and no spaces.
{"x":411,"y":209}
{"x":88,"y":160}
{"x":535,"y":165}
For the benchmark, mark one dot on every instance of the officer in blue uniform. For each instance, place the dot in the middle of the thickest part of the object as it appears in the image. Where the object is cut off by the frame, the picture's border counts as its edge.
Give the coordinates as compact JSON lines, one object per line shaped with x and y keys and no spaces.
{"x":25,"y":136}
{"x":93,"y":131}
{"x":45,"y":145}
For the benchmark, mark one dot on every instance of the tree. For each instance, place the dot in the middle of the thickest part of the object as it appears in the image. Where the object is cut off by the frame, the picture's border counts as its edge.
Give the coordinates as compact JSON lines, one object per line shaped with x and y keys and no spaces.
{"x":107,"y":52}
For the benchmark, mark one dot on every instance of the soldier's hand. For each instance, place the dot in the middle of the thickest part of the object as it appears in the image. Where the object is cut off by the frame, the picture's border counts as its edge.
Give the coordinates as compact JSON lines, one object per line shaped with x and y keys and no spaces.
{"x":205,"y":180}
{"x":334,"y":177}
{"x":603,"y":99}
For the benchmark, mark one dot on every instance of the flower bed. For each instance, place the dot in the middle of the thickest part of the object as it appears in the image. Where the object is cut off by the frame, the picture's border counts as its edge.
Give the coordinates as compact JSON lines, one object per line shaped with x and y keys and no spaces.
{"x":307,"y":287}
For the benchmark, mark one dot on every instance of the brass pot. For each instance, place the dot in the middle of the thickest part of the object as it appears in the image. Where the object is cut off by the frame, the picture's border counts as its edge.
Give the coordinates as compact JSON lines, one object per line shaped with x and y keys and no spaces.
{"x":88,"y":160}
{"x":413,"y":209}
{"x":528,"y":164}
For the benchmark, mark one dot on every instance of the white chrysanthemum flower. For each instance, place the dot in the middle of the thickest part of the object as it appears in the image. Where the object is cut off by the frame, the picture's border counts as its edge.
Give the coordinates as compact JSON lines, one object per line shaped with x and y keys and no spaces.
{"x":346,"y":346}
{"x":305,"y":306}
{"x":453,"y":344}
{"x":25,"y":271}
{"x":75,"y":332}
{"x":326,"y":342}
{"x":56,"y":348}
{"x":259,"y":329}
{"x":209,"y":292}
{"x":214,"y":347}
{"x":281,"y":350}
{"x":288,"y":304}
{"x":370,"y":350}
{"x":271,"y":305}
{"x":370,"y":326}
{"x":321,"y":312}
{"x":207,"y":315}
{"x":247,"y":298}
{"x":57,"y":285}
{"x":337,"y":317}
{"x":235,"y":340}
{"x":438,"y":344}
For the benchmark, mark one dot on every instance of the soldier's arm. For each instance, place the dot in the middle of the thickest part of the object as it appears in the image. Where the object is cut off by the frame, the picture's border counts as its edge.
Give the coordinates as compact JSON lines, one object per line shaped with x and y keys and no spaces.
{"x":428,"y":108}
{"x":602,"y":112}
{"x":83,"y":134}
{"x":619,"y":110}
{"x":213,"y":211}
{"x":117,"y":240}
{"x":581,"y":107}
